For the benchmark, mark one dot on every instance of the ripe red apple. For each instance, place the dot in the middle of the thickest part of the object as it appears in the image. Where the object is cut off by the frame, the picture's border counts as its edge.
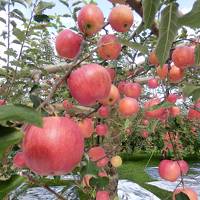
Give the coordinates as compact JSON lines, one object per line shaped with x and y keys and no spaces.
{"x":162,"y":71}
{"x":102,"y":162}
{"x":172,"y":98}
{"x":194,"y":112}
{"x":184,"y":166}
{"x":145,"y":134}
{"x":176,"y":74}
{"x":90,"y":19}
{"x":169,"y":170}
{"x":153,"y":83}
{"x":183,"y":56}
{"x":133,"y":90}
{"x":191,"y":194}
{"x":174,"y":111}
{"x":128,"y":106}
{"x":86,"y":180}
{"x":96,"y":153}
{"x":67,"y":105}
{"x":153,"y":60}
{"x":102,"y":129}
{"x":121,"y":86}
{"x":102,"y":174}
{"x":145,"y":122}
{"x":102,"y":195}
{"x":2,"y":102}
{"x":19,"y":160}
{"x":112,"y":73}
{"x":68,"y":44}
{"x":121,"y":18}
{"x":109,"y":47}
{"x":89,"y":83}
{"x":156,"y":113}
{"x":49,"y":150}
{"x":112,"y":98}
{"x":87,"y":127}
{"x":104,"y":111}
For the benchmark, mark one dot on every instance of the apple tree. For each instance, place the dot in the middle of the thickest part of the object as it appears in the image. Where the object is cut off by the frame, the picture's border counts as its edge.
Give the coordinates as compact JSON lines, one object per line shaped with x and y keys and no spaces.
{"x":78,"y":88}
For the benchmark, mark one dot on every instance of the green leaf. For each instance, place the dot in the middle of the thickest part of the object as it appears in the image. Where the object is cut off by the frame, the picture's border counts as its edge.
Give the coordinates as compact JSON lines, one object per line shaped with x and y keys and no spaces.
{"x":43,"y":5}
{"x":181,"y":196}
{"x":20,"y":35}
{"x":100,"y":182}
{"x":90,"y":168}
{"x":134,"y":45}
{"x":191,"y":19}
{"x":8,"y":136}
{"x":20,"y":113}
{"x":22,"y":2}
{"x":167,"y":31}
{"x":150,"y":8}
{"x":19,"y":13}
{"x":64,"y":2}
{"x":163,"y":104}
{"x":197,"y":55}
{"x":76,"y":3}
{"x":2,"y":44}
{"x":3,"y":20}
{"x":192,"y":90}
{"x":9,"y":185}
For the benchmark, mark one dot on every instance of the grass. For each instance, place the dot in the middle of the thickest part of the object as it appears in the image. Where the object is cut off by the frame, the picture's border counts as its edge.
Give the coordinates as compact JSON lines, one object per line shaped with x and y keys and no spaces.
{"x":133,"y":169}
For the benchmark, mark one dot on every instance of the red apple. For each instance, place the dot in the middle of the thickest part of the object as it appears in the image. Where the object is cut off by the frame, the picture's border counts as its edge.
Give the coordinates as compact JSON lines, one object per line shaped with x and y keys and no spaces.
{"x":102,"y":129}
{"x":162,"y":71}
{"x":121,"y":86}
{"x":145,"y":122}
{"x":153,"y":83}
{"x":184,"y":166}
{"x":102,"y":174}
{"x":191,"y":194}
{"x":109,"y":47}
{"x":96,"y":153}
{"x":102,"y":195}
{"x":174,"y":111}
{"x":128,"y":106}
{"x":169,"y":170}
{"x":89,"y":83}
{"x":19,"y":160}
{"x":49,"y":150}
{"x":121,"y":18}
{"x":153,"y":60}
{"x":194,"y":112}
{"x":2,"y":102}
{"x":86,"y":180}
{"x":87,"y":127}
{"x":133,"y":90}
{"x":90,"y":19}
{"x":172,"y":98}
{"x":67,"y":105}
{"x":68,"y":44}
{"x":104,"y":111}
{"x":112,"y":73}
{"x":145,"y":134}
{"x":102,"y":162}
{"x":112,"y":98}
{"x":183,"y":56}
{"x":176,"y":74}
{"x":156,"y":113}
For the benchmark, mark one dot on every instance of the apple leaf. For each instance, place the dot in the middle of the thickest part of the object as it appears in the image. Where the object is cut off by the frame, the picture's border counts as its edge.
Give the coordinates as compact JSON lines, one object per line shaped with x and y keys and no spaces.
{"x":191,"y":19}
{"x":20,"y":113}
{"x":192,"y":90}
{"x":10,"y":184}
{"x":150,"y":8}
{"x":134,"y":45}
{"x":64,"y":2}
{"x":197,"y":55}
{"x":100,"y":182}
{"x":181,"y":196}
{"x":163,"y":104}
{"x":90,"y":168}
{"x":8,"y":136}
{"x":43,"y":5}
{"x":167,"y":31}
